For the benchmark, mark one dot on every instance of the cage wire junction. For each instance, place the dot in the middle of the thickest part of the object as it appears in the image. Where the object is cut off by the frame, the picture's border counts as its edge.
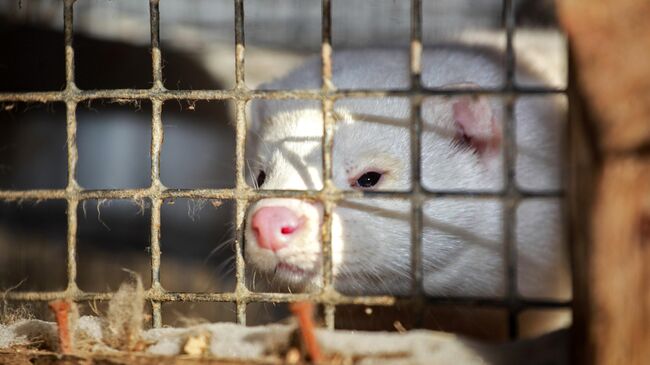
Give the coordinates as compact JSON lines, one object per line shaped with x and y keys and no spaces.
{"x":242,"y":194}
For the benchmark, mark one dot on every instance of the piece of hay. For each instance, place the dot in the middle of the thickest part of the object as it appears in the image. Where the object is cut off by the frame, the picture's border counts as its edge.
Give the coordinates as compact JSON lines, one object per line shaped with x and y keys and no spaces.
{"x":124,"y":319}
{"x":11,"y":313}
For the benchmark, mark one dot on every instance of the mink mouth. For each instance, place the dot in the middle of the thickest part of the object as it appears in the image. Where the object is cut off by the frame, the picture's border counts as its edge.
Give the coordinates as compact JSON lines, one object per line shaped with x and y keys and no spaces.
{"x":285,"y":268}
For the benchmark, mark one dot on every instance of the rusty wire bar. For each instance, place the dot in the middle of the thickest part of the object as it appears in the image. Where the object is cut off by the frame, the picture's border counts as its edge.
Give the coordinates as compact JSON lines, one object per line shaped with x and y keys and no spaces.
{"x":156,"y":147}
{"x":71,"y":193}
{"x":72,"y":187}
{"x":156,"y":307}
{"x":68,"y":6}
{"x":385,"y":300}
{"x":241,"y":188}
{"x":416,"y":199}
{"x":511,"y":201}
{"x":156,"y":57}
{"x":329,"y":190}
{"x":245,"y":94}
{"x":219,"y":194}
{"x":242,"y":193}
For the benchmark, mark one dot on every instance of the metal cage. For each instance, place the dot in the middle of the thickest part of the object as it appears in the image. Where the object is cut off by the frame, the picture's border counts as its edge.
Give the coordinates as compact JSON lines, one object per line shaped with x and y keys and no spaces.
{"x":242,"y":194}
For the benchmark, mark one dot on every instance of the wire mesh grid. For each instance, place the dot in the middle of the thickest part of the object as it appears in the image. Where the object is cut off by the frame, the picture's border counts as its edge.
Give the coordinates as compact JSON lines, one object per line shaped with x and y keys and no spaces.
{"x":156,"y":193}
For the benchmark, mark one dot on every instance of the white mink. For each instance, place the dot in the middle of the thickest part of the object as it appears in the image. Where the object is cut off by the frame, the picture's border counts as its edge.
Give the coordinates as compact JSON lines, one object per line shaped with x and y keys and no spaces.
{"x":461,"y":150}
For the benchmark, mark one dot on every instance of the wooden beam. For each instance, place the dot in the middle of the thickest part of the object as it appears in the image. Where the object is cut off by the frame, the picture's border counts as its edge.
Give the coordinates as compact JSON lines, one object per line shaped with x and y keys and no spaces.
{"x":610,"y":41}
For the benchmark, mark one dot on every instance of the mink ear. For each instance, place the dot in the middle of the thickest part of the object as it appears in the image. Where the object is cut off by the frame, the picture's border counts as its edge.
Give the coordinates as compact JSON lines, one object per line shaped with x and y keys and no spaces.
{"x":475,"y":124}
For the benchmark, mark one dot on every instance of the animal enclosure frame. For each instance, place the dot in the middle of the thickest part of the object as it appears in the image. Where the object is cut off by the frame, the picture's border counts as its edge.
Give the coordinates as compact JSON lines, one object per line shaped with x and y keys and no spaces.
{"x":242,"y":194}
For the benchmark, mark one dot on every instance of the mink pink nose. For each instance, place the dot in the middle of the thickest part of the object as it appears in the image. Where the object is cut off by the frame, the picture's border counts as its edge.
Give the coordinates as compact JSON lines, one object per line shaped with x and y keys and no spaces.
{"x":274,"y":226}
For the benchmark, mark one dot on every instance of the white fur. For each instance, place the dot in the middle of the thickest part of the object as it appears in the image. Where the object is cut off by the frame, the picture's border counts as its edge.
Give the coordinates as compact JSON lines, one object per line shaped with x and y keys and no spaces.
{"x":462,"y":243}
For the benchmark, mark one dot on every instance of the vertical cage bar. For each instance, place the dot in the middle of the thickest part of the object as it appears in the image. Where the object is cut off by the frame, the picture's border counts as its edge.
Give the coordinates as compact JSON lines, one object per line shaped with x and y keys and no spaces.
{"x":73,"y":202}
{"x":156,"y":204}
{"x":157,"y":138}
{"x":509,"y":162}
{"x":72,"y":244}
{"x":156,"y":57}
{"x":69,"y":47}
{"x":240,"y":184}
{"x":156,"y":311}
{"x":72,"y":151}
{"x":416,"y":52}
{"x":328,"y":137}
{"x":240,"y":46}
{"x":415,"y":141}
{"x":240,"y":213}
{"x":509,"y":23}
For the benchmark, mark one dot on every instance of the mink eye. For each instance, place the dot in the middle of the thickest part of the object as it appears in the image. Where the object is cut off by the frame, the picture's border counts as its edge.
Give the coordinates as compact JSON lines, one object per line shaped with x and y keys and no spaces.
{"x":368,"y":180}
{"x":261,"y":177}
